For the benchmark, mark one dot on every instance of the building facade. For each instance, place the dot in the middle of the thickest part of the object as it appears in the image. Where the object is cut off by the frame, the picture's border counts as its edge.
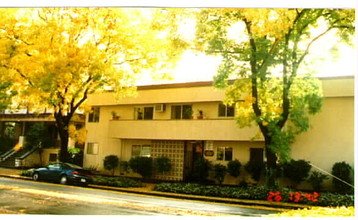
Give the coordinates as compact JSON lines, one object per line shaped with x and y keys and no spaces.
{"x":188,"y":120}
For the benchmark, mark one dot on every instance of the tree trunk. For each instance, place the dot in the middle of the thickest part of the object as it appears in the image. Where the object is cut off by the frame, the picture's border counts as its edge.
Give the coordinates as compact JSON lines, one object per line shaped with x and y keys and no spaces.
{"x":271,"y":169}
{"x":64,"y":155}
{"x":62,"y":124}
{"x":271,"y":161}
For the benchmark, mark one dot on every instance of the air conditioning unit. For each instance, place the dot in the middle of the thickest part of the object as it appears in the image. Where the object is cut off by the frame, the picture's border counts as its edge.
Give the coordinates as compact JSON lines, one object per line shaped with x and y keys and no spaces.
{"x":160,"y":108}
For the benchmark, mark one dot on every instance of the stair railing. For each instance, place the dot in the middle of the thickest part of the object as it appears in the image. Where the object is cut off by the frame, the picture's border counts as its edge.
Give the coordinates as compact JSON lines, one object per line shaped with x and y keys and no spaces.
{"x":8,"y":154}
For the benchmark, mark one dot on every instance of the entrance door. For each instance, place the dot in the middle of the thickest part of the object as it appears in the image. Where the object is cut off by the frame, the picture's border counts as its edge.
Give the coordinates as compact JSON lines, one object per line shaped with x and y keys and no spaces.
{"x":257,"y":155}
{"x":193,"y":151}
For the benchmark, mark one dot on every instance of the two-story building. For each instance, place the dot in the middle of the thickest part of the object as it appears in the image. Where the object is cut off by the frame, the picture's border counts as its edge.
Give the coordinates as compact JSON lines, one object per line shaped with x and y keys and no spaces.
{"x":185,"y":121}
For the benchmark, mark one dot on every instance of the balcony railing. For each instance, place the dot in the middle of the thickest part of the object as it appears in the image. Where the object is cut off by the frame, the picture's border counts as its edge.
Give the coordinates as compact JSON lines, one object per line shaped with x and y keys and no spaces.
{"x":205,"y":129}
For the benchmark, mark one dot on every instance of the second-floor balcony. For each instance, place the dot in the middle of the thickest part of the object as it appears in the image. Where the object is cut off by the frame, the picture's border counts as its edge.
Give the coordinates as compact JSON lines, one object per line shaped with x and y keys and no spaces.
{"x":205,"y":129}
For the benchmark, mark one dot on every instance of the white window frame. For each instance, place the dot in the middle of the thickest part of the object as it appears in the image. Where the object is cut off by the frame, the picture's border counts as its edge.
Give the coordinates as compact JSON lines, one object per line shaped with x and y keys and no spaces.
{"x":226,"y":110}
{"x":92,"y":148}
{"x":145,"y":150}
{"x":141,"y":109}
{"x":94,"y":115}
{"x":223,"y":153}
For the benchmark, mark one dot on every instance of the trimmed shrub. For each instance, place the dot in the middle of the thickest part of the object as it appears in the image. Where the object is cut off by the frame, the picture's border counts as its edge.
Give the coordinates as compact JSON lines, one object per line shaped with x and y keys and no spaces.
{"x":116,"y":181}
{"x":316,"y":179}
{"x":219,"y":172}
{"x":296,"y":170}
{"x":142,"y":165}
{"x":201,"y":170}
{"x":233,"y":168}
{"x":255,"y":169}
{"x":162,"y":164}
{"x":27,"y":173}
{"x":334,"y":199}
{"x":343,"y":171}
{"x":124,"y":166}
{"x":111,"y":162}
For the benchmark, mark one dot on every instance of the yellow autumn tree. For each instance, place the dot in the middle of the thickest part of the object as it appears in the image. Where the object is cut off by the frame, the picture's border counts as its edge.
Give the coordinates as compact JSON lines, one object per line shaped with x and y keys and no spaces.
{"x":56,"y":57}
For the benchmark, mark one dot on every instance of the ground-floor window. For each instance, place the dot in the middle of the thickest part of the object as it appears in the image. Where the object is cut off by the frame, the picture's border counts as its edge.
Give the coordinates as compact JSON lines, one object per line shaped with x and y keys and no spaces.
{"x":92,"y":148}
{"x":141,"y":150}
{"x":52,"y":158}
{"x":224,"y":153}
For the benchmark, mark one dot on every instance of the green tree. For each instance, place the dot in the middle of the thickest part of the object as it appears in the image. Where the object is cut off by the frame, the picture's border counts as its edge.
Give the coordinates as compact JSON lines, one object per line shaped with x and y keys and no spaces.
{"x":219,"y":172}
{"x":142,"y":165}
{"x":111,"y":162}
{"x":296,"y":170}
{"x":162,"y":164}
{"x":266,"y":60}
{"x":233,"y":167}
{"x":58,"y":56}
{"x":38,"y":134}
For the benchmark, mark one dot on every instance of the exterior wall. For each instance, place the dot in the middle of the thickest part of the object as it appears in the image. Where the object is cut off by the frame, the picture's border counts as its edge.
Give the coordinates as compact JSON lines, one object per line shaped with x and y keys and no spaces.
{"x":45,"y":155}
{"x":331,"y":136}
{"x":32,"y":160}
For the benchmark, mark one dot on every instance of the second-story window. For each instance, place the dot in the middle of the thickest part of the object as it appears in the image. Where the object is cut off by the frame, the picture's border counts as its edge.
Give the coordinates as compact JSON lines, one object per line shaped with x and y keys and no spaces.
{"x":226,"y":110}
{"x":181,"y":112}
{"x":143,"y":113}
{"x":93,"y":116}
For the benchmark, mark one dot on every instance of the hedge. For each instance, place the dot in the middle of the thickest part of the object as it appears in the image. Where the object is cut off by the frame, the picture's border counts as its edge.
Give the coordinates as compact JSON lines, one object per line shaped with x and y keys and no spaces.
{"x":116,"y":181}
{"x":258,"y":193}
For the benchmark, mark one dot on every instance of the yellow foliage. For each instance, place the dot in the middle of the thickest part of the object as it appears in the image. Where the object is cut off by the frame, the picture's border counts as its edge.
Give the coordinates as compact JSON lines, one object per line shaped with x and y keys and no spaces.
{"x":79,"y":135}
{"x":318,"y":212}
{"x":66,"y":53}
{"x":17,"y":147}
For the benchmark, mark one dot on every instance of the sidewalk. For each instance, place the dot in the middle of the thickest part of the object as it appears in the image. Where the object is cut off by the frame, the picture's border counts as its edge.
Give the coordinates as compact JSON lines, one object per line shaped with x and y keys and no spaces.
{"x":147,"y":189}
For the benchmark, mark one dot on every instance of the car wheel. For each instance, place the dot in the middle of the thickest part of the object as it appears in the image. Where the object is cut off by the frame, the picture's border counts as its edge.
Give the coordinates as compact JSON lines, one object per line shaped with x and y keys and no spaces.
{"x":36,"y":176}
{"x":63,"y":179}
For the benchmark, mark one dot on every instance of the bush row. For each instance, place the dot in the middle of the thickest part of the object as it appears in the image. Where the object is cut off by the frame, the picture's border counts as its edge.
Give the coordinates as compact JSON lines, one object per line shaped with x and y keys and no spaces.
{"x":258,"y":193}
{"x":116,"y":181}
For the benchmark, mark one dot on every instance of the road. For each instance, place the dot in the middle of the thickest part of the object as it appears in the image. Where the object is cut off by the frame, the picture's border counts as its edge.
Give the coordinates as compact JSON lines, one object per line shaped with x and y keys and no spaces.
{"x":29,"y":197}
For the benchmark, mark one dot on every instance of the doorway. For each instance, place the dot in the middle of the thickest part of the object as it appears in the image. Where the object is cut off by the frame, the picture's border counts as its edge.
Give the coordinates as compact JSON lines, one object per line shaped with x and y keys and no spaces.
{"x":193,"y":150}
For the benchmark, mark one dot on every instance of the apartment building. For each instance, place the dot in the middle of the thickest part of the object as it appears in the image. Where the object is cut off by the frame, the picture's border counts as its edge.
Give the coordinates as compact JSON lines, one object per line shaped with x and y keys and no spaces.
{"x":185,"y":121}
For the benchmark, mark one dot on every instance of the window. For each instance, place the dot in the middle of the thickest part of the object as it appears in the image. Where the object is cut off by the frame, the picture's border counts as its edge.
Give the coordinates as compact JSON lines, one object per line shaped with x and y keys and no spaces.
{"x":226,"y":110}
{"x":52,"y":158}
{"x":92,"y":148}
{"x":224,"y":153}
{"x":93,"y":116}
{"x":181,"y":112}
{"x":54,"y":166}
{"x":141,"y":150}
{"x":145,"y":113}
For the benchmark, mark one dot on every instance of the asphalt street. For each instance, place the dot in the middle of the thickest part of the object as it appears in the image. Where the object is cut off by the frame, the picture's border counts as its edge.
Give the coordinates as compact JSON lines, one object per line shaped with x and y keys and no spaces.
{"x":29,"y":197}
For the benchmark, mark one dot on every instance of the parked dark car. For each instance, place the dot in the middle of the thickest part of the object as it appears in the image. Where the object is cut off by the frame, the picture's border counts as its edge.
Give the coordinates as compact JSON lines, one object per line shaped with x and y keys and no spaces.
{"x":64,"y":173}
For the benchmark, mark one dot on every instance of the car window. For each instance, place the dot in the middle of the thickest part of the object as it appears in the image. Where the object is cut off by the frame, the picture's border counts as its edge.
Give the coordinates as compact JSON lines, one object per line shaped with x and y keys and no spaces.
{"x":54,"y":166}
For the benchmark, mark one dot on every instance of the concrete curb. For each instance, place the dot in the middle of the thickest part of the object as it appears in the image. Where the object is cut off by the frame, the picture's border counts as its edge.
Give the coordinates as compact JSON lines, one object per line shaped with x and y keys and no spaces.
{"x":259,"y":204}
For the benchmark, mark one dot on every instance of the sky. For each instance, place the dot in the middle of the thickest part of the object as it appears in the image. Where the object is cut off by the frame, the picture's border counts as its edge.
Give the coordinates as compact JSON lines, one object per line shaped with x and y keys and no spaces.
{"x":199,"y":67}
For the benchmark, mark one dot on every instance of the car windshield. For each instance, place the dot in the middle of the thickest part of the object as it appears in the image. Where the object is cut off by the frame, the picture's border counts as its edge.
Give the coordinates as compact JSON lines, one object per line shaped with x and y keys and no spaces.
{"x":70,"y":165}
